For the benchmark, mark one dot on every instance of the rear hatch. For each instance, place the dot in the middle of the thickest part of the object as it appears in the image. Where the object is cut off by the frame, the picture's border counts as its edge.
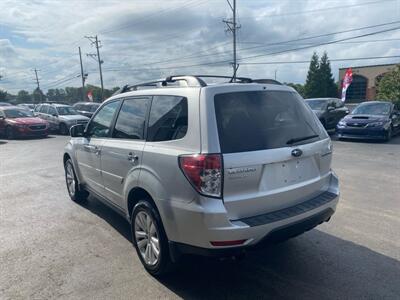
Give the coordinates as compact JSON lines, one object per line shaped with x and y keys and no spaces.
{"x":276,"y":153}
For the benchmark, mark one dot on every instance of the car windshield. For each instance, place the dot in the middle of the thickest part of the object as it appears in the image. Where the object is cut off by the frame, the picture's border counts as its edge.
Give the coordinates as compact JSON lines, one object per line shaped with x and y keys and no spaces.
{"x":66,"y":110}
{"x":17,"y":113}
{"x":317,"y":104}
{"x":372,"y":109}
{"x":251,"y":121}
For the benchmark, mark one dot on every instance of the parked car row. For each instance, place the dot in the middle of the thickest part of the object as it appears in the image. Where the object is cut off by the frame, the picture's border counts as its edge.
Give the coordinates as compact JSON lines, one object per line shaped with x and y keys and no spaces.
{"x":60,"y":117}
{"x":19,"y":122}
{"x":24,"y":119}
{"x":369,"y":120}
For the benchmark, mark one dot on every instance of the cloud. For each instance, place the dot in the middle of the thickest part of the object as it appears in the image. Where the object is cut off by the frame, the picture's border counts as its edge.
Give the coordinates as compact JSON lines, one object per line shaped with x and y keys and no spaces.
{"x":143,"y":40}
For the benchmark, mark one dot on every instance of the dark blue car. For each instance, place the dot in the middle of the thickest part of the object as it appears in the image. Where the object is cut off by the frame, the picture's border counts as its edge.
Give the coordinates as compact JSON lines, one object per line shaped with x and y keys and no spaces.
{"x":370,"y":120}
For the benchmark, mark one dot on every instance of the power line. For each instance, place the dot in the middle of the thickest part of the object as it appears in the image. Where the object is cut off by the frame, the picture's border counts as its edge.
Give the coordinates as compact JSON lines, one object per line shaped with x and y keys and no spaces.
{"x":271,"y":53}
{"x":308,"y":61}
{"x":323,"y":9}
{"x":322,"y":44}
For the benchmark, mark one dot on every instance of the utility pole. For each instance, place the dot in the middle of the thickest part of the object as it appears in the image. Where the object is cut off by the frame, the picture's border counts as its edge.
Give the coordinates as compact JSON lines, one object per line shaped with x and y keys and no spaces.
{"x":38,"y":85}
{"x":82,"y":76}
{"x":232,"y":27}
{"x":94,"y":40}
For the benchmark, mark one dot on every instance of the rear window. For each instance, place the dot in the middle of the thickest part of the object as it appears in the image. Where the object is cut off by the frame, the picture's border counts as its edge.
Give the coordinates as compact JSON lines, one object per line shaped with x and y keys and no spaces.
{"x":260,"y":120}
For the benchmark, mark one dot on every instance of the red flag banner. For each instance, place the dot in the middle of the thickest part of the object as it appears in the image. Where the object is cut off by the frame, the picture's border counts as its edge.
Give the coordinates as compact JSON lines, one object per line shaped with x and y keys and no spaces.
{"x":348,"y":78}
{"x":90,"y":96}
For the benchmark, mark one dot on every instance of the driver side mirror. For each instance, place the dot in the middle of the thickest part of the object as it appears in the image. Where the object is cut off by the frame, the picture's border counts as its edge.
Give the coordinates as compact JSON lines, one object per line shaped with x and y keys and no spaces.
{"x":77,"y":130}
{"x":330,"y":108}
{"x":54,"y":115}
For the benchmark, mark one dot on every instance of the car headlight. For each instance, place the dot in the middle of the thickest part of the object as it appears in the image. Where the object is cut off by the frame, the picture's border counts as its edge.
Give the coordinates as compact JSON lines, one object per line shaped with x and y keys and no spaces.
{"x":20,"y":125}
{"x":342,"y":124}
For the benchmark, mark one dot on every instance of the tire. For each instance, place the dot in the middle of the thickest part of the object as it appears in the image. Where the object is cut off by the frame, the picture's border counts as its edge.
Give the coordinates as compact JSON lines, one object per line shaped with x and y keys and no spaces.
{"x":389,"y":134}
{"x":75,"y":192}
{"x":9,"y":133}
{"x":145,"y":222}
{"x":63,"y":129}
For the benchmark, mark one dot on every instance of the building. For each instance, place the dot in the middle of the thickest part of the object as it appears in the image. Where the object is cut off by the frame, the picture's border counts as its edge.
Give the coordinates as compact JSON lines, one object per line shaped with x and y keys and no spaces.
{"x":365,"y":80}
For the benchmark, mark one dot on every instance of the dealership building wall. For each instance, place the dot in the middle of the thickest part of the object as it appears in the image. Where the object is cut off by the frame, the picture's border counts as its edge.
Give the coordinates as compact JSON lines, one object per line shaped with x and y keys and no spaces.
{"x":364,"y":83}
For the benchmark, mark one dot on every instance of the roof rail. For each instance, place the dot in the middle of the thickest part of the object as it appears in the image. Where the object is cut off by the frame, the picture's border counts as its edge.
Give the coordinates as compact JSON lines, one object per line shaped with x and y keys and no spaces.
{"x":191,"y":81}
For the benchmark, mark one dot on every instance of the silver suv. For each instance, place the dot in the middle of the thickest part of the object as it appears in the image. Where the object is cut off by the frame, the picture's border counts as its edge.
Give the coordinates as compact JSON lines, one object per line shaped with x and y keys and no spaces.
{"x":61,"y":117}
{"x":209,"y":169}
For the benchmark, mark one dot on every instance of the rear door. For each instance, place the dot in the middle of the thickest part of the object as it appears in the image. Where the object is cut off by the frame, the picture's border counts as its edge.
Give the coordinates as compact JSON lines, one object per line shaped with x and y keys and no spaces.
{"x":122,"y":155}
{"x":275,"y":152}
{"x":52,"y":117}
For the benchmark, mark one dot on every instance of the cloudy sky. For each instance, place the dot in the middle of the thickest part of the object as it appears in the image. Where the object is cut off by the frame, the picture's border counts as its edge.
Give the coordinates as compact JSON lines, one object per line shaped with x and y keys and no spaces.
{"x":148,"y":39}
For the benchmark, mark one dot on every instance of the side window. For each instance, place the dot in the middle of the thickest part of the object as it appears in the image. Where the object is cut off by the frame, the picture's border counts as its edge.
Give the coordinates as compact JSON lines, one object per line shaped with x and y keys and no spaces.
{"x":100,"y":125}
{"x":37,"y":108}
{"x":168,"y":118}
{"x":131,"y":119}
{"x":52,"y":111}
{"x":78,"y":106}
{"x":43,"y":109}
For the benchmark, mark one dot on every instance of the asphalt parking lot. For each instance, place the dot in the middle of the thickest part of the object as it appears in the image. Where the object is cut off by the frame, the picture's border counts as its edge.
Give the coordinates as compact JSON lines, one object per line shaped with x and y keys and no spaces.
{"x":51,"y":247}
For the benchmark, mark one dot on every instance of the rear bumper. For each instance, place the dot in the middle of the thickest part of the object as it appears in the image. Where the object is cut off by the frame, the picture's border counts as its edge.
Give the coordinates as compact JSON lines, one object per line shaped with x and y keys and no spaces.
{"x":198,"y":224}
{"x":278,"y":234}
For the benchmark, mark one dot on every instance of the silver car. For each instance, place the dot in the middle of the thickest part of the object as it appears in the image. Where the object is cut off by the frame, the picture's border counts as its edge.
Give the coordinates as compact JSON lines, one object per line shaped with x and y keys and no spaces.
{"x":205,"y":169}
{"x":61,"y":117}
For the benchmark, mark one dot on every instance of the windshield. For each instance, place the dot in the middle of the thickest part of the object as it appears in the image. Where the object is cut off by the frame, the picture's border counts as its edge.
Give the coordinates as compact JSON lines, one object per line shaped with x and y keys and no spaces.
{"x":317,"y":104}
{"x":66,"y":110}
{"x":17,"y":113}
{"x":251,"y":121}
{"x":372,"y":109}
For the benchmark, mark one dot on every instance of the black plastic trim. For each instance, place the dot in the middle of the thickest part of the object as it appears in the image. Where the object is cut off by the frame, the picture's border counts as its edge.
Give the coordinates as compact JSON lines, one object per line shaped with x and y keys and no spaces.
{"x":289,"y":212}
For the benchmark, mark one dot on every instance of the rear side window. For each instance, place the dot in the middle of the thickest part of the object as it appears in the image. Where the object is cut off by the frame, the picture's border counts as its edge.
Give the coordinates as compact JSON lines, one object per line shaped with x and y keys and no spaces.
{"x":259,"y":120}
{"x":131,"y":119}
{"x":52,"y":111}
{"x":168,"y":118}
{"x":43,"y":109}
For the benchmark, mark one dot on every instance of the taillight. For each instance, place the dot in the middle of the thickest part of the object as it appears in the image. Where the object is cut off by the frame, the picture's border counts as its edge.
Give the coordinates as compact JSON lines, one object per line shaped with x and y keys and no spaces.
{"x":204,"y":172}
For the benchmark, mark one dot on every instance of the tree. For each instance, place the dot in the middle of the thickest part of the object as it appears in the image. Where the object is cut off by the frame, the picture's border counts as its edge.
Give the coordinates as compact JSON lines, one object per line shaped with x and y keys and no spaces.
{"x":320,"y":81}
{"x":3,"y":95}
{"x":298,"y":87}
{"x":23,"y":97}
{"x":389,"y":86}
{"x":311,"y":88}
{"x":327,"y":87}
{"x":37,"y":96}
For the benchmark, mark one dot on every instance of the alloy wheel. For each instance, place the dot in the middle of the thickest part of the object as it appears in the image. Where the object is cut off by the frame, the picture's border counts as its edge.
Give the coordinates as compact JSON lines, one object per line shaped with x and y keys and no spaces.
{"x":147,"y":238}
{"x":70,"y":177}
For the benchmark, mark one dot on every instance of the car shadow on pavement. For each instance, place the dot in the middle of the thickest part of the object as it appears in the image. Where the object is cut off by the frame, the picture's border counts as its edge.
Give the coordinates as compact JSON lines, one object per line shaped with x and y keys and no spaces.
{"x":314,"y":265}
{"x":118,"y":222}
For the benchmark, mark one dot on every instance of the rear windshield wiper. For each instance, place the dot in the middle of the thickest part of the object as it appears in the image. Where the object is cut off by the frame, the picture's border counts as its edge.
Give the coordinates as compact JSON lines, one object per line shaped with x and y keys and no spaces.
{"x":299,"y":139}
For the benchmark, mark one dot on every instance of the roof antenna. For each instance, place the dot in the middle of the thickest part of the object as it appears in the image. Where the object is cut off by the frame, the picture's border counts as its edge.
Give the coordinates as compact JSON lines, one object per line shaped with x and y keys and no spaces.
{"x":233,"y":79}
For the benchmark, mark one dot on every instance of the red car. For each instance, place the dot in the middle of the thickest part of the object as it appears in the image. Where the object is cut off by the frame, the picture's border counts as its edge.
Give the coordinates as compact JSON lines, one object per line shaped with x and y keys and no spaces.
{"x":19,"y":122}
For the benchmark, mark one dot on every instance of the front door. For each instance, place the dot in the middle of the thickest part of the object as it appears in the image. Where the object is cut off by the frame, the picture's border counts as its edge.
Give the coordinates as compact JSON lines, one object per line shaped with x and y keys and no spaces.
{"x":122,"y":155}
{"x":90,"y":149}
